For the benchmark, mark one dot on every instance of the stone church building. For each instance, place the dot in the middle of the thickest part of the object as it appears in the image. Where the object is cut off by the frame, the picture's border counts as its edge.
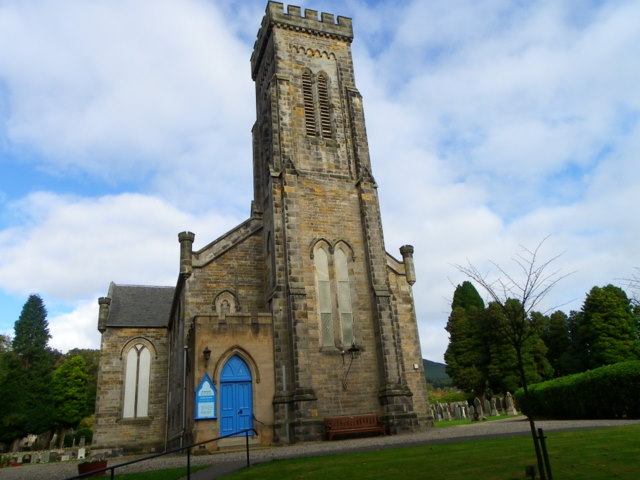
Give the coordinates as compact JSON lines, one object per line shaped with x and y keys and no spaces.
{"x":298,"y":313}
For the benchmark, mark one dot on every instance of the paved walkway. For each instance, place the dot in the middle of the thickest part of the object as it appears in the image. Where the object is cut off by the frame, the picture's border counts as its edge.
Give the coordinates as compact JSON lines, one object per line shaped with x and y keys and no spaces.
{"x":224,"y":463}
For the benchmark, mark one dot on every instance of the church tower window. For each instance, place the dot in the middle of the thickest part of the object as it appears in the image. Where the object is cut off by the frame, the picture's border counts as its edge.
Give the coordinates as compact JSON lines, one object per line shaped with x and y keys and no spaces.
{"x":136,"y":383}
{"x":334,"y":297}
{"x":325,"y":108}
{"x":325,"y":304}
{"x":344,"y":296}
{"x":309,"y":104}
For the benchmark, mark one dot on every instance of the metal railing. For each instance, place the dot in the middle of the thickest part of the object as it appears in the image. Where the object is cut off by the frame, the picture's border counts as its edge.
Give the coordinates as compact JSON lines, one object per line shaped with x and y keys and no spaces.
{"x":188,"y":448}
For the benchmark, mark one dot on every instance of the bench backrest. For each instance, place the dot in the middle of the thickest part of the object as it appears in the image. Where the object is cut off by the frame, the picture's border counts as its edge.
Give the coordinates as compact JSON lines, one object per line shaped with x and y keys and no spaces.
{"x":353,"y":421}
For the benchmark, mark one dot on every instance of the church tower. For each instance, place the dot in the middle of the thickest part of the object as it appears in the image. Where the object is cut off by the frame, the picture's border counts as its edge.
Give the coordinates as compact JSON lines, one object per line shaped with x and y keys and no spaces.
{"x":296,"y":315}
{"x":344,"y":327}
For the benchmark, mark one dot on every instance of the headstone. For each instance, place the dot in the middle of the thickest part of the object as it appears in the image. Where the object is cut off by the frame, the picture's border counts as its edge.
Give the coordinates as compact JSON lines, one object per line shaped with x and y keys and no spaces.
{"x":494,"y":408}
{"x":486,"y":407}
{"x":511,"y":409}
{"x":81,"y":452}
{"x":478,"y":408}
{"x":472,"y":413}
{"x":64,"y":458}
{"x":45,"y":457}
{"x":26,"y":458}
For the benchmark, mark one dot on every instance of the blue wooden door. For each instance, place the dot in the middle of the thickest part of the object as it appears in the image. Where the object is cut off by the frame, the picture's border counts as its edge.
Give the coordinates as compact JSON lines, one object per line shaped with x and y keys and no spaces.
{"x":236,"y":397}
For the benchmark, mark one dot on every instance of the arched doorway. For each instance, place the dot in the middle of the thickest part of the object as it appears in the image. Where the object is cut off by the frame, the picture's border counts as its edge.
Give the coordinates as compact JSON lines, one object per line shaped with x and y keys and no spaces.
{"x":236,"y":397}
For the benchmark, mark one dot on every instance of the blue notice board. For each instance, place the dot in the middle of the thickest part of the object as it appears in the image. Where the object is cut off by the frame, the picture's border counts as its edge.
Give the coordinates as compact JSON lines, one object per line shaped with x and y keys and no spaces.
{"x":206,"y":396}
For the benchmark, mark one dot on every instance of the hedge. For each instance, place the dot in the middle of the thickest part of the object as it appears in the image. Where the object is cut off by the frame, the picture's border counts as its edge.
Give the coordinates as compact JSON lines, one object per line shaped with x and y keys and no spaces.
{"x":606,"y":392}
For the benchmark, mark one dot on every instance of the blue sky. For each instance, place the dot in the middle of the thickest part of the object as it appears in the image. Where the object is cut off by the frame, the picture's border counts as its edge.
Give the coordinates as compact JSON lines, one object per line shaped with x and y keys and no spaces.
{"x":491,"y":125}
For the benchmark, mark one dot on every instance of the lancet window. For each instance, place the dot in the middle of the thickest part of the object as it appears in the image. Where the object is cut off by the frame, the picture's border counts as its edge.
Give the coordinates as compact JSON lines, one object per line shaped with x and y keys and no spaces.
{"x":136,"y":382}
{"x":317,"y":105}
{"x":334,"y":296}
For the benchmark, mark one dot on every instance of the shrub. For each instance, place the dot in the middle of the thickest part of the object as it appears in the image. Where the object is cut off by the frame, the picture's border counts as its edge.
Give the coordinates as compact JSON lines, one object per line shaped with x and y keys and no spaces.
{"x":612,"y":391}
{"x":87,"y":433}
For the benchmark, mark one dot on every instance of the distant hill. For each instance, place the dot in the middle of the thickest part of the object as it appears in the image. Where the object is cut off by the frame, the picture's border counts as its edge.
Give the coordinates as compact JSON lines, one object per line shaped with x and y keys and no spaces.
{"x":435,"y":373}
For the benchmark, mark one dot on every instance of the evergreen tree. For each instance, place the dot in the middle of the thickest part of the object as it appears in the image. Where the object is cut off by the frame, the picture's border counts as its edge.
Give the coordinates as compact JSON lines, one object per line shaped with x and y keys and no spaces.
{"x":69,"y":387}
{"x":558,"y":334}
{"x":25,"y":388}
{"x":467,"y":297}
{"x":467,"y":354}
{"x":608,"y":328}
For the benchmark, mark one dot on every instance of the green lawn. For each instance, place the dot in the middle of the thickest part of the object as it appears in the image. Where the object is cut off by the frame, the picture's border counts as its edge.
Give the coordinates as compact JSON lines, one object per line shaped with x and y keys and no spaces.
{"x":603,"y":454}
{"x":168,"y":474}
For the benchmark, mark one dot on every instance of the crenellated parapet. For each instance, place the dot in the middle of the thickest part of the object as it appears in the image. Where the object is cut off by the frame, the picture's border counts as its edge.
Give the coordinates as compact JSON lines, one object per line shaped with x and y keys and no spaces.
{"x":326,"y":25}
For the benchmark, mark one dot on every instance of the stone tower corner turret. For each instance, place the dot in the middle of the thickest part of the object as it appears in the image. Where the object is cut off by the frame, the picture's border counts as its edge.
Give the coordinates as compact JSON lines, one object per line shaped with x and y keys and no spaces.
{"x":407,"y":256}
{"x":186,"y":244}
{"x":103,"y":314}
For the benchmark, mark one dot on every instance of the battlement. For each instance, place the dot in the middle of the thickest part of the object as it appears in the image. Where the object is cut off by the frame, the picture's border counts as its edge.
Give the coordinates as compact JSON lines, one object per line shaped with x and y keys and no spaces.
{"x":275,"y":15}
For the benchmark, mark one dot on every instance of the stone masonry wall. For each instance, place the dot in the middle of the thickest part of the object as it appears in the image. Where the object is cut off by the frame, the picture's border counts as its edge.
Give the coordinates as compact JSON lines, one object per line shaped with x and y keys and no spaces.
{"x":111,"y":430}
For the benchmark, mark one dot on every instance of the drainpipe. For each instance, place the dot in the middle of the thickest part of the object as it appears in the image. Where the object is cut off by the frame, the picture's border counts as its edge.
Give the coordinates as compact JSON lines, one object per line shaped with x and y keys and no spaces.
{"x":184,"y":395}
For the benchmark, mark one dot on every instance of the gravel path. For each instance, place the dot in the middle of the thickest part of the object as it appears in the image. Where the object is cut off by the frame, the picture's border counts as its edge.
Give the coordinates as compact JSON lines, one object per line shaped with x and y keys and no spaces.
{"x":225,"y":461}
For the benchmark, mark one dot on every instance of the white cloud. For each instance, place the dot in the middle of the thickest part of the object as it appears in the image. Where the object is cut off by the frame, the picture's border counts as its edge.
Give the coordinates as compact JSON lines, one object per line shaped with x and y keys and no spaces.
{"x":491,"y":125}
{"x":70,"y":248}
{"x":125,"y":89}
{"x":77,"y":329}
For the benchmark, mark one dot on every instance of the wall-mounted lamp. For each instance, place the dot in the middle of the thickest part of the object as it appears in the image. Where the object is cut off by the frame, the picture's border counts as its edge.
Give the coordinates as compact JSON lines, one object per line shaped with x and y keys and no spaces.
{"x":207,"y":355}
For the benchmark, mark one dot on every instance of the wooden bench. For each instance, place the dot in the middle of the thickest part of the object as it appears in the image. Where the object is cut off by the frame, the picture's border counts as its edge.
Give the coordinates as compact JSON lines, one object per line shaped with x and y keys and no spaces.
{"x":348,"y":424}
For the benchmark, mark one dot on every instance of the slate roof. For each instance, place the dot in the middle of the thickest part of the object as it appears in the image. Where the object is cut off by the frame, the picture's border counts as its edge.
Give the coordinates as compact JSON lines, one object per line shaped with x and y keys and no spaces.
{"x":139,"y":306}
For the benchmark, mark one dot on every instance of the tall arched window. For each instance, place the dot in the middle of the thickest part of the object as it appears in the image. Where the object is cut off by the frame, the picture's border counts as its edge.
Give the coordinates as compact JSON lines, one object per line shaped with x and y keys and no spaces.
{"x":325,"y":109}
{"x":325,"y":305}
{"x":334,"y":296}
{"x":344,"y":296}
{"x":136,"y":382}
{"x":309,"y":103}
{"x":317,"y":107}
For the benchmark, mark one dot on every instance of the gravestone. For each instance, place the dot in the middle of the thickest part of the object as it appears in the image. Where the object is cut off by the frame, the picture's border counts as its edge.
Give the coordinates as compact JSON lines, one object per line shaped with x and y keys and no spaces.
{"x":486,"y":407}
{"x":81,"y":453}
{"x":511,"y":409}
{"x":45,"y":457}
{"x":494,"y":408}
{"x":478,"y":406}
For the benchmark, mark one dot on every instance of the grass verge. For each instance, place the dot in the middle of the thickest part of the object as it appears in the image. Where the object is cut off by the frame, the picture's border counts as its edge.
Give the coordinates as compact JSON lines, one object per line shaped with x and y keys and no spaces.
{"x":168,"y":474}
{"x":600,"y":454}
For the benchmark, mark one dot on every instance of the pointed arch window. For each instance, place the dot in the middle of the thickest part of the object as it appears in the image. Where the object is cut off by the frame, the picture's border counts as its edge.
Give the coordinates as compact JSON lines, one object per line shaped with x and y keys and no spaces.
{"x":317,"y":105}
{"x":325,"y":108}
{"x":309,"y":104}
{"x":344,"y":296}
{"x":136,"y":382}
{"x":334,"y":297}
{"x":325,"y":305}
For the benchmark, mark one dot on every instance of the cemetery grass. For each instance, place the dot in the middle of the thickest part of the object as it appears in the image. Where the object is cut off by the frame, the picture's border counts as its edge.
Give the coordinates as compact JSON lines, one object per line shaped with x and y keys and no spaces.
{"x":464,"y":421}
{"x":599,"y":454}
{"x":168,"y":474}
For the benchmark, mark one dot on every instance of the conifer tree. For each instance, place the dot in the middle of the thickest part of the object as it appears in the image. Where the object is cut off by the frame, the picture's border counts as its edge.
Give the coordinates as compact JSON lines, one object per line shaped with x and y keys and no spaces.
{"x":608,"y":328}
{"x":25,"y":386}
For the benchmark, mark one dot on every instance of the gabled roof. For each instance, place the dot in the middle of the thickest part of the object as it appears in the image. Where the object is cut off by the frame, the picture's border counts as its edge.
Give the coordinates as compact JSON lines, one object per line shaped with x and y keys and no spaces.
{"x":139,"y":306}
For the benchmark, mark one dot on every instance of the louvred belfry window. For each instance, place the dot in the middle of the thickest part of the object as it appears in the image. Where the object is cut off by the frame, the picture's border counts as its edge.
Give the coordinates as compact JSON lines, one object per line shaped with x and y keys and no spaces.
{"x":325,"y":109}
{"x":317,"y":105}
{"x":309,"y":104}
